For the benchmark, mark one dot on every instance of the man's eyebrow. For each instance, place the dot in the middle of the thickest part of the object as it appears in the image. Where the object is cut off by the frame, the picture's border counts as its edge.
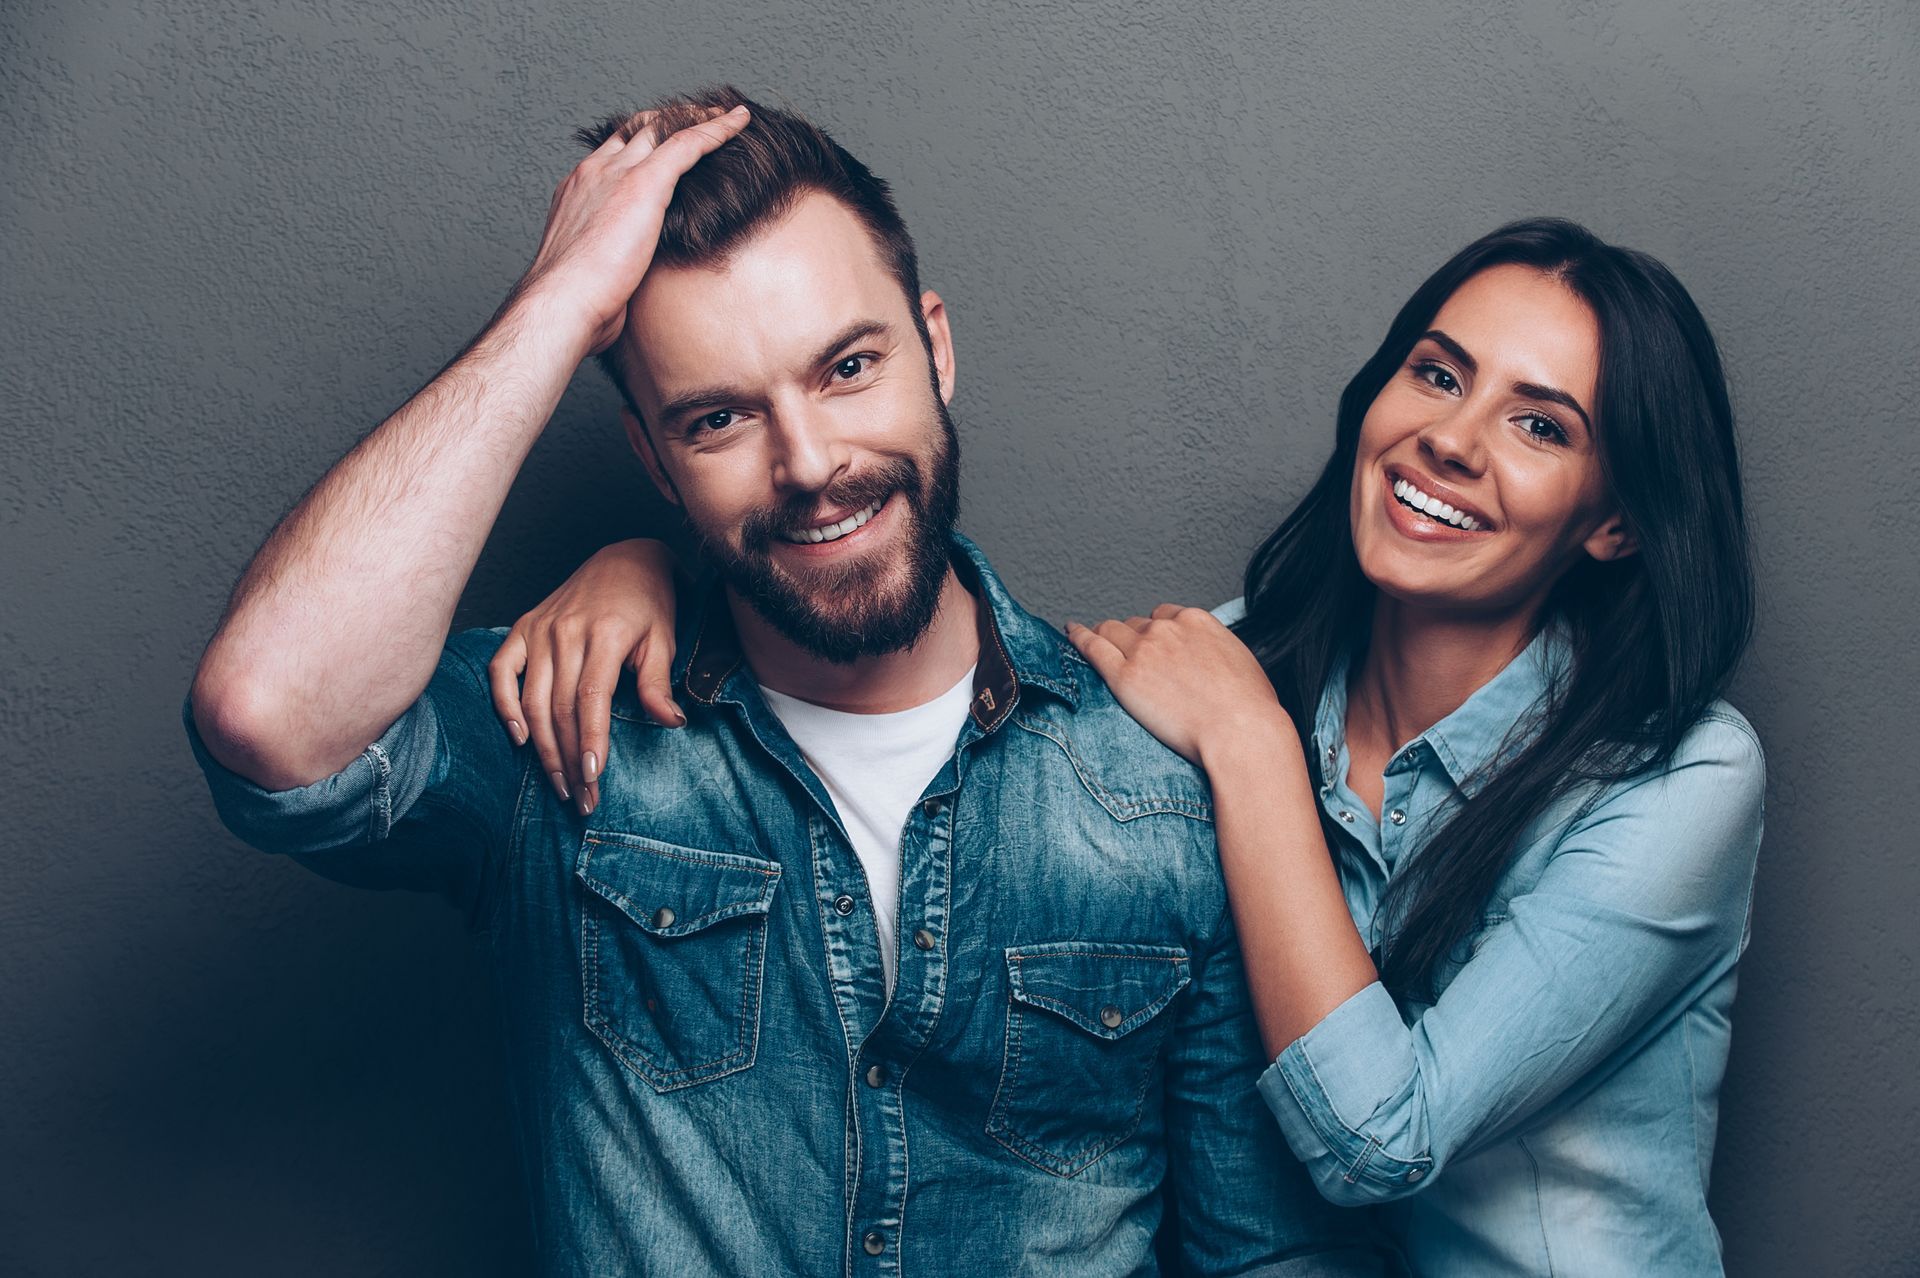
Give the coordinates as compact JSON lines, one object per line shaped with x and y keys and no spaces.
{"x":1531,"y":389}
{"x":707,"y":397}
{"x":711,"y":397}
{"x":848,"y":336}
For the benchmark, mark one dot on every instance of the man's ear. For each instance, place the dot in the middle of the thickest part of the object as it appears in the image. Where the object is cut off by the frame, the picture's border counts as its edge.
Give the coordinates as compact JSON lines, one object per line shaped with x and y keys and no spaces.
{"x":1613,"y":539}
{"x":940,"y":336}
{"x":642,"y":441}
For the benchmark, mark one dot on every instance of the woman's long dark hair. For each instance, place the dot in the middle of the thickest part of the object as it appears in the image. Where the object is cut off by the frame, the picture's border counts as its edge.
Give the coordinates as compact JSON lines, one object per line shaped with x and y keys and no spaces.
{"x":1655,"y":635}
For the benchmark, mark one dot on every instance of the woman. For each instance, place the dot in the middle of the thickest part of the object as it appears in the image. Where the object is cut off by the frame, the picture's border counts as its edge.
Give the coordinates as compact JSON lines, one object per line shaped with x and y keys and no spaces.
{"x":1488,"y":832}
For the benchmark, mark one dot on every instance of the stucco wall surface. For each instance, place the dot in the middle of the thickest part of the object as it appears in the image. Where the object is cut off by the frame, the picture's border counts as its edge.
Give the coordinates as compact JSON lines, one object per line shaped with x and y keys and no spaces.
{"x":235,"y":236}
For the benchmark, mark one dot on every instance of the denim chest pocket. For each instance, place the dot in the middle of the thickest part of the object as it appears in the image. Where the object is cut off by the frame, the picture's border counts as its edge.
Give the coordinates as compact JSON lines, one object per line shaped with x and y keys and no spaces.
{"x":1085,"y":1024}
{"x":673,"y":944}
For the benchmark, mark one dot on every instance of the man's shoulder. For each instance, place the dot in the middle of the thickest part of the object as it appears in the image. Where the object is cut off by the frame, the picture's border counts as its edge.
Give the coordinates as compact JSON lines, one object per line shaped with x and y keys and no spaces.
{"x":1122,"y":764}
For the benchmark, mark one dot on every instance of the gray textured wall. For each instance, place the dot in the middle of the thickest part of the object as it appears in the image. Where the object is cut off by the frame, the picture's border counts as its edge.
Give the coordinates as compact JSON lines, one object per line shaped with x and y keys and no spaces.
{"x":237,"y":235}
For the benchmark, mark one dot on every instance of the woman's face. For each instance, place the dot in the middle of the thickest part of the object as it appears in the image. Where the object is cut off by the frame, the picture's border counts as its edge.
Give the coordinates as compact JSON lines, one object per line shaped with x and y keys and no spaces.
{"x":1478,"y":479}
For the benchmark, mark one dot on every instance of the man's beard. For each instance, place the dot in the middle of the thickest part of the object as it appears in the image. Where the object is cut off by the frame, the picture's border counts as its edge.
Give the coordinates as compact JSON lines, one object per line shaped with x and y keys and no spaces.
{"x":843,"y":612}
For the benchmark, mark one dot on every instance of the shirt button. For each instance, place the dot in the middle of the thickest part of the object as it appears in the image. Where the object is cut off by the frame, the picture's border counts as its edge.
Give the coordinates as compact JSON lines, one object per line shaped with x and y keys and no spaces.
{"x":922,"y":939}
{"x":1417,"y":1175}
{"x":876,"y":1076}
{"x":1397,"y":817}
{"x":873,"y":1244}
{"x":931,"y":807}
{"x":1111,"y":1017}
{"x":843,"y":905}
{"x":663,"y":917}
{"x":1346,"y":816}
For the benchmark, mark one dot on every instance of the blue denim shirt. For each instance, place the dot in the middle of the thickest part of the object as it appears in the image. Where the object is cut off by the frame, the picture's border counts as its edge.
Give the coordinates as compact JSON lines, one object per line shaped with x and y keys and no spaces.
{"x":707,"y":1073}
{"x":1553,"y":1112}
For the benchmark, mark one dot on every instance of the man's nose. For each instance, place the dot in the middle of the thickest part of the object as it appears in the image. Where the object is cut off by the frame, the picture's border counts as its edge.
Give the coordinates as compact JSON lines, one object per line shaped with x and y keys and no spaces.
{"x":808,"y":454}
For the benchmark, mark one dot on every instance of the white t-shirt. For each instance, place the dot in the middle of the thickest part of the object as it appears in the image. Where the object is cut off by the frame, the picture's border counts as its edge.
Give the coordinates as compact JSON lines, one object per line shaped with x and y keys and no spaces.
{"x":875,"y":768}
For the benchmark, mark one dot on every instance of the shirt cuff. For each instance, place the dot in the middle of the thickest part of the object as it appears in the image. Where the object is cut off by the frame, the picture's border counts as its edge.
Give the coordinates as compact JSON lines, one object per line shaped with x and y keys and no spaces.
{"x":353,"y":807}
{"x":1344,"y":1094}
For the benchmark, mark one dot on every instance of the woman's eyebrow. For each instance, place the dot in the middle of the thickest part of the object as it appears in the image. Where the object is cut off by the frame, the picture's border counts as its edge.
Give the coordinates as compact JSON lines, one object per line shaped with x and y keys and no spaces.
{"x":1452,"y":348}
{"x":1536,"y":391}
{"x":1531,"y":389}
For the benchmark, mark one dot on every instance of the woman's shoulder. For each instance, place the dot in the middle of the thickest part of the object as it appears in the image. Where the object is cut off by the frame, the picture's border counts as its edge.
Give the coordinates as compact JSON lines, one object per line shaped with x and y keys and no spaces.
{"x":1708,"y":795}
{"x":1722,"y":736}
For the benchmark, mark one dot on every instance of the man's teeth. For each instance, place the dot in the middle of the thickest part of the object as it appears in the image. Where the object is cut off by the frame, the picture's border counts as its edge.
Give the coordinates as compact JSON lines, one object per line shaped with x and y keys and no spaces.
{"x":1432,"y":507}
{"x":834,"y":532}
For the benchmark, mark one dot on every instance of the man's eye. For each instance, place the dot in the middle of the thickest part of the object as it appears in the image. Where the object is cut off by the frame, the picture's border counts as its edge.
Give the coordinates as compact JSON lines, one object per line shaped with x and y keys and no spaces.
{"x":1436,"y":376}
{"x":715,"y":421}
{"x":851,"y":367}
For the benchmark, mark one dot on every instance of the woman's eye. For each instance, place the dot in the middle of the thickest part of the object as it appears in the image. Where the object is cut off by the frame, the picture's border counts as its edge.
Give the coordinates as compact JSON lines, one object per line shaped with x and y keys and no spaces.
{"x":851,"y":367}
{"x":1436,"y":376}
{"x":1544,"y":429}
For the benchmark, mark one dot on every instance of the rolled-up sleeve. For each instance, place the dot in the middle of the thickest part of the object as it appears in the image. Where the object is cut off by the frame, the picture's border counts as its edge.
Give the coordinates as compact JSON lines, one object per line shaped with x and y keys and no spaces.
{"x":1643,"y":904}
{"x":428,"y":806}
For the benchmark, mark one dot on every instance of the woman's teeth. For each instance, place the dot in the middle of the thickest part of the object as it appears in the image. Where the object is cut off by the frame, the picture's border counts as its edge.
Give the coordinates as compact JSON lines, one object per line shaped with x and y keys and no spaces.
{"x":834,"y":532}
{"x":1432,"y":507}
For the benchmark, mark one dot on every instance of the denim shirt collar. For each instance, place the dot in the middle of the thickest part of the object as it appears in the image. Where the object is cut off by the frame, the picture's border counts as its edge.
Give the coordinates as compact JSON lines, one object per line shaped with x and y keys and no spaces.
{"x":1500,"y":719}
{"x":1017,"y":649}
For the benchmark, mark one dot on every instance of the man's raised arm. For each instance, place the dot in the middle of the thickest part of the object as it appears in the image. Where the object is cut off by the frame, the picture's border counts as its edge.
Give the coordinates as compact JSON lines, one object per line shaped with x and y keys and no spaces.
{"x":338,"y":622}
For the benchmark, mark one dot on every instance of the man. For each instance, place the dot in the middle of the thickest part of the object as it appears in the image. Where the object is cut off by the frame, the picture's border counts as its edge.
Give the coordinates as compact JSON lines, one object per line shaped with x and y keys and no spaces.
{"x":901,"y":947}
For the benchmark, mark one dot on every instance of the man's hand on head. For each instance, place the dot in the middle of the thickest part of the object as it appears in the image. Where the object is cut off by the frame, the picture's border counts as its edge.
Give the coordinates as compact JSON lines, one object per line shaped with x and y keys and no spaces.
{"x":604,"y":225}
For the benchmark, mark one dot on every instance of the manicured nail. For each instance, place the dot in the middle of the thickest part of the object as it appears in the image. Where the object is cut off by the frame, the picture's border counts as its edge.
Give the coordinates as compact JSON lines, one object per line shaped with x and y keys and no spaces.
{"x":560,"y":784}
{"x":679,"y":717}
{"x":518,"y":733}
{"x":592,"y":766}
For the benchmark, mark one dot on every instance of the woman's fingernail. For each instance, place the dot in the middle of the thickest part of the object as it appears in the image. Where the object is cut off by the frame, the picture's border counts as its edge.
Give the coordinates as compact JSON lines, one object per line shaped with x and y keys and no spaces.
{"x":592,"y":766}
{"x":518,"y":733}
{"x":560,"y":784}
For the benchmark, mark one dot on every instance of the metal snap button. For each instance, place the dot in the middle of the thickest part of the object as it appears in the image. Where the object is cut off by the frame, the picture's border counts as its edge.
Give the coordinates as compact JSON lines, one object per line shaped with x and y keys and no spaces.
{"x":876,"y":1076}
{"x":931,"y":807}
{"x":922,"y":939}
{"x":1111,"y":1016}
{"x":1417,"y":1175}
{"x":843,"y":905}
{"x":663,"y":917}
{"x":1346,"y":816}
{"x":1397,"y":817}
{"x":873,"y":1244}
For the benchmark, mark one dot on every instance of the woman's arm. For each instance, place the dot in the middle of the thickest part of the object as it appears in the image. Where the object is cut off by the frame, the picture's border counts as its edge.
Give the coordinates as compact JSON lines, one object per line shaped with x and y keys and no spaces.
{"x":617,"y":609}
{"x":1642,"y":907}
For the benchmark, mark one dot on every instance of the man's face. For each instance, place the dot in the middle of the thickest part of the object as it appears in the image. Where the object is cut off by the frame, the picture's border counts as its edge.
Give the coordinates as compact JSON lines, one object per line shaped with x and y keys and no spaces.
{"x":792,"y":411}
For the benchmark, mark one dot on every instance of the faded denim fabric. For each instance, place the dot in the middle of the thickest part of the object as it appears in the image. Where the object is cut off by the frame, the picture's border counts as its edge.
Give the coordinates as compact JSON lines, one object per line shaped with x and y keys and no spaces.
{"x":707,"y":1075}
{"x":1554,"y":1111}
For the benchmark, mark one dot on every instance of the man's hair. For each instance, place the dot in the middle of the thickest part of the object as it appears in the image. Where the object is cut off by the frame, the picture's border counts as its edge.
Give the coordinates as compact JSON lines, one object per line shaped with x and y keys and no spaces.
{"x":751,"y":181}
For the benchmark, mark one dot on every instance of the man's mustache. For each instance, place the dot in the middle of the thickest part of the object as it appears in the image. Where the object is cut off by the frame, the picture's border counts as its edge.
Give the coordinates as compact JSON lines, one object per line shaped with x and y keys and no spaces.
{"x":852,"y":492}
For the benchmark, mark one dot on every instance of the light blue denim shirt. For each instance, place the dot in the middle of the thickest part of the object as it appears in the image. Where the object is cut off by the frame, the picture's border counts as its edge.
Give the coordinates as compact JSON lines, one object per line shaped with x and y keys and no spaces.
{"x":707,"y":1073}
{"x":1554,"y":1111}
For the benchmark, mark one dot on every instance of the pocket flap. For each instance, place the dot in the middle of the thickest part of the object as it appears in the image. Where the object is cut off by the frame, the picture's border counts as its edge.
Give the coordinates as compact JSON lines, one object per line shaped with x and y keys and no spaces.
{"x":1107,"y":990}
{"x":671,"y":890}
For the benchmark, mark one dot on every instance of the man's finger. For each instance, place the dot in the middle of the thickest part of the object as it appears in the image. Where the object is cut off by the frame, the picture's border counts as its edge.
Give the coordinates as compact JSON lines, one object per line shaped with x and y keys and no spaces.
{"x":1167,"y":612}
{"x":503,"y":676}
{"x":684,"y":149}
{"x":653,"y":679}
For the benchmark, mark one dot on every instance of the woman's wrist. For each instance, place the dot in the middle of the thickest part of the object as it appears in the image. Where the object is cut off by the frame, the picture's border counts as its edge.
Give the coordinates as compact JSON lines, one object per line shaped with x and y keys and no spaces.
{"x":1261,"y":738}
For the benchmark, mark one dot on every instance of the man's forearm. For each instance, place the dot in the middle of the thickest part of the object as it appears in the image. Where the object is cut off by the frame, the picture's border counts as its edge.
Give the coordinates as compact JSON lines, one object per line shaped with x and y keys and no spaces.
{"x":338,"y":622}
